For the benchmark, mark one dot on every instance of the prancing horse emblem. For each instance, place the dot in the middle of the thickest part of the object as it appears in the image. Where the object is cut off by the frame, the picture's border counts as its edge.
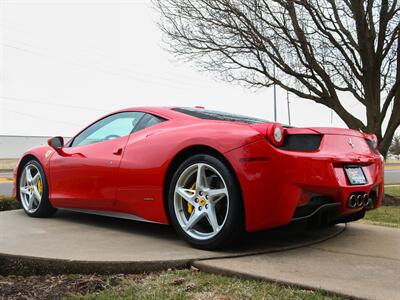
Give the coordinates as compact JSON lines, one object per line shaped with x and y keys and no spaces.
{"x":351,"y":144}
{"x":48,"y":153}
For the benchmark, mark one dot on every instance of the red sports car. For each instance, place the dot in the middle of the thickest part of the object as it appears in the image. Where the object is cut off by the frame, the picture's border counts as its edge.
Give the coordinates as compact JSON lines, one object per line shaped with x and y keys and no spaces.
{"x":212,"y":175}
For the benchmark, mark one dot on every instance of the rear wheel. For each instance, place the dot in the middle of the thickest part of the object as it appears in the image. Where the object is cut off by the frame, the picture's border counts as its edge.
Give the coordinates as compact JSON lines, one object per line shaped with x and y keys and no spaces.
{"x":205,"y":205}
{"x":33,"y":191}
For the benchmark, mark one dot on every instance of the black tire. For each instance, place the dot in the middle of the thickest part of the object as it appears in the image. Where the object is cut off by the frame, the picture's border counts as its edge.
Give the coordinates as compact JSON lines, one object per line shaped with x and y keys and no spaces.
{"x":233,"y":227}
{"x":45,"y":209}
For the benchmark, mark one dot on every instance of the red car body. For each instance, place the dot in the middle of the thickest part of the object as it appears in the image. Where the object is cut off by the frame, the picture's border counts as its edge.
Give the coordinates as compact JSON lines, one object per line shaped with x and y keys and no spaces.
{"x":129,"y":174}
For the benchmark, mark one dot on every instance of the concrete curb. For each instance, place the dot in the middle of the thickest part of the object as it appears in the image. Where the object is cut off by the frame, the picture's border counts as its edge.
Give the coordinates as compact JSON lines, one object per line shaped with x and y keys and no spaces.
{"x":25,"y":266}
{"x":5,"y":179}
{"x":392,"y":167}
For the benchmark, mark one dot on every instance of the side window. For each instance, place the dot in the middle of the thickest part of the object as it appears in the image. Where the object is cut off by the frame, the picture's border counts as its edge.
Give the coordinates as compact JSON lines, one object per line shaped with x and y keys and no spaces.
{"x":111,"y":127}
{"x":148,"y":120}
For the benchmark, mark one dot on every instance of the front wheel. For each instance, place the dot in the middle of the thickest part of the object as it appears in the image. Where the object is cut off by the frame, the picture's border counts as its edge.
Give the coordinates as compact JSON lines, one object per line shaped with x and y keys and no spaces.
{"x":33,"y":191}
{"x":205,"y":204}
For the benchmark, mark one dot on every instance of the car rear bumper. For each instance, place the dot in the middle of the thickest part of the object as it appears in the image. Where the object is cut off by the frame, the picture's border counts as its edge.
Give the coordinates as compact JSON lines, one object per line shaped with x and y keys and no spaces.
{"x":277,"y":183}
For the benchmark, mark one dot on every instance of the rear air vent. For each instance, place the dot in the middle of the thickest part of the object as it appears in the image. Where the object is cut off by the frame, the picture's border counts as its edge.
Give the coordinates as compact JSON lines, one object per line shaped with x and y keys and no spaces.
{"x":302,"y":142}
{"x":372,"y":146}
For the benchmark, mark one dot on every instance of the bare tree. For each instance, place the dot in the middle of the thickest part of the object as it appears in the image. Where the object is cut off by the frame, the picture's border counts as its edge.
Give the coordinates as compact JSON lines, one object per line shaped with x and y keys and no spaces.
{"x":323,"y":50}
{"x":395,"y":146}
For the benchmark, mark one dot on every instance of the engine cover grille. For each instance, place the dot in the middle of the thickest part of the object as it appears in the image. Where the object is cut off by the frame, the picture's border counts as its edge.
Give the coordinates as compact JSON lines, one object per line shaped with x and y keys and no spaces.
{"x":302,"y":142}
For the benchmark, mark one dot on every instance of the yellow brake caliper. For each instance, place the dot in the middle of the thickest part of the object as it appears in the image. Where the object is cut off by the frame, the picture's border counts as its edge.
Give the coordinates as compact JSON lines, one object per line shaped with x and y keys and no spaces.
{"x":39,"y":186}
{"x":190,"y":206}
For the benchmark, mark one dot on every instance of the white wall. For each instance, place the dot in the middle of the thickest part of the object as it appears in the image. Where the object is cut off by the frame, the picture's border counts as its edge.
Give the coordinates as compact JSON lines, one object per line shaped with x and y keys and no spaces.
{"x":12,"y":146}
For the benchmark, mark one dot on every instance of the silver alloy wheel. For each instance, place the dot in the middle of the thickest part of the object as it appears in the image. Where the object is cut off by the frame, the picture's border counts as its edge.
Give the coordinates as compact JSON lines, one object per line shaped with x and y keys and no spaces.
{"x":30,"y":188}
{"x":201,"y":201}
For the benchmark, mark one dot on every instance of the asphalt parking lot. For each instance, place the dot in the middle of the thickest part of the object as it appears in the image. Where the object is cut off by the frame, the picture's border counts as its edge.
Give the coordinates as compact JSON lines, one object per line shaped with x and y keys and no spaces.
{"x":6,"y":188}
{"x":392,"y":176}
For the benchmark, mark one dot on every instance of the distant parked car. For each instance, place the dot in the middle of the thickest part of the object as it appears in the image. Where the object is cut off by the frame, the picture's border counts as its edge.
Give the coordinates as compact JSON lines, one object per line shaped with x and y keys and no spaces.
{"x":212,"y":175}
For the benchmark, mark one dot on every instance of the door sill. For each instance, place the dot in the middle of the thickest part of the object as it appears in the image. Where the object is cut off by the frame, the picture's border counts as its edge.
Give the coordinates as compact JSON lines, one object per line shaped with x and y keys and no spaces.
{"x":112,"y":214}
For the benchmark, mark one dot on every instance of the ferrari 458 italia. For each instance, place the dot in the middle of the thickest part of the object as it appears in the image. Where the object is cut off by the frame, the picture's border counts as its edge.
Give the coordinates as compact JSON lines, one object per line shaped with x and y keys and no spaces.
{"x":212,"y":175}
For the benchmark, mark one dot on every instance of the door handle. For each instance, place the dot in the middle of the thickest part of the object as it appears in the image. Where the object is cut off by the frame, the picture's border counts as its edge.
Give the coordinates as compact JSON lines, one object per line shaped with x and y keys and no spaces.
{"x":118,"y":151}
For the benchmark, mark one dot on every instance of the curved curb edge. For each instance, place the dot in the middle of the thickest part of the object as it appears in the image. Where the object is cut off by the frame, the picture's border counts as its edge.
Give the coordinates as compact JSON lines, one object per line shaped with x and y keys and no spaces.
{"x":26,"y":265}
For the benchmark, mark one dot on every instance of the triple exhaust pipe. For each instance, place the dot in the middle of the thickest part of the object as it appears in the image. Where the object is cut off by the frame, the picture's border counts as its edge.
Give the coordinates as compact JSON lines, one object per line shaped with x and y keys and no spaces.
{"x":357,"y":200}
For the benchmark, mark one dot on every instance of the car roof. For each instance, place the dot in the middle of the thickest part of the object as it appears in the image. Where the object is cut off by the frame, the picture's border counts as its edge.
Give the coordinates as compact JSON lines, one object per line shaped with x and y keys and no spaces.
{"x":198,"y":114}
{"x":165,"y":112}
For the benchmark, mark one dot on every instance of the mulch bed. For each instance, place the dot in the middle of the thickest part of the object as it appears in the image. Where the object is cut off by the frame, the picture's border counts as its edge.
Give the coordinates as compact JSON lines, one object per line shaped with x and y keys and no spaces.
{"x":55,"y":287}
{"x":390,"y":201}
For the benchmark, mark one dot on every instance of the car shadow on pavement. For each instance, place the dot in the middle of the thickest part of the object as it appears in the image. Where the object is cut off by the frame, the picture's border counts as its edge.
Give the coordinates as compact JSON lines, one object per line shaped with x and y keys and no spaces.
{"x":278,"y":239}
{"x":123,"y":225}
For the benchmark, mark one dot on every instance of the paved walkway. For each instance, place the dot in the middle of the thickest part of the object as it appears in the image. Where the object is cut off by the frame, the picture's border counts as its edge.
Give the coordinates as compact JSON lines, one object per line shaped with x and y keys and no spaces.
{"x":362,"y":262}
{"x":73,"y":242}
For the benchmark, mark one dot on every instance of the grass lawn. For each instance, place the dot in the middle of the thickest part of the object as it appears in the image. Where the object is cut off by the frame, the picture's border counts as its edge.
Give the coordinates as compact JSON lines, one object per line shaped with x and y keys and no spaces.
{"x":393,"y":191}
{"x":186,"y":284}
{"x":8,"y":203}
{"x":385,"y":215}
{"x":394,"y":183}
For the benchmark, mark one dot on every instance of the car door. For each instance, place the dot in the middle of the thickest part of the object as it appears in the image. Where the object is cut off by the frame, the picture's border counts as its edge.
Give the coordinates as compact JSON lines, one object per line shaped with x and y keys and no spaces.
{"x":86,"y":174}
{"x":140,"y":180}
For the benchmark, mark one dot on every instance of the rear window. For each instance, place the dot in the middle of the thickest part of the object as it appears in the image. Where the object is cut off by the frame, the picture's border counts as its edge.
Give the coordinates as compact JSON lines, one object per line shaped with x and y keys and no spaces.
{"x":217,"y":115}
{"x":148,"y":120}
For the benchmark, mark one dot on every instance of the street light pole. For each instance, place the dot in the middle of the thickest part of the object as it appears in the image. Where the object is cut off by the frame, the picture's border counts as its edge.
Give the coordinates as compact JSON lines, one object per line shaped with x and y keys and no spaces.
{"x":288,"y":107}
{"x":275,"y":113}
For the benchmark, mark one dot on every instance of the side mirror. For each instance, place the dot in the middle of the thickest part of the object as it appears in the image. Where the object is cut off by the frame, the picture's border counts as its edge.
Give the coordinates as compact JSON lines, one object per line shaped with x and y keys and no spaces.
{"x":57,"y":143}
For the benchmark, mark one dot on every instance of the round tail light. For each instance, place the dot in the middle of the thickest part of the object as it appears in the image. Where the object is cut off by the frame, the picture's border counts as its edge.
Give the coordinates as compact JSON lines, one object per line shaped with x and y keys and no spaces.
{"x":276,"y":134}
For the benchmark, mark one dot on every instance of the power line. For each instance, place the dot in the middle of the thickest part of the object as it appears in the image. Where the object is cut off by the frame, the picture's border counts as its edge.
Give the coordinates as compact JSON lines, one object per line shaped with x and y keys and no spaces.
{"x":75,"y":2}
{"x":53,"y":104}
{"x":101,"y":53}
{"x":41,"y":118}
{"x":115,"y":69}
{"x":91,"y":67}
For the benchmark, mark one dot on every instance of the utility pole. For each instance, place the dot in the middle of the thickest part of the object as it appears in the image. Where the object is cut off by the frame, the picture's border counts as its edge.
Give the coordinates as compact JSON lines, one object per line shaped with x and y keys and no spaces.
{"x":275,"y":113}
{"x":288,"y":107}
